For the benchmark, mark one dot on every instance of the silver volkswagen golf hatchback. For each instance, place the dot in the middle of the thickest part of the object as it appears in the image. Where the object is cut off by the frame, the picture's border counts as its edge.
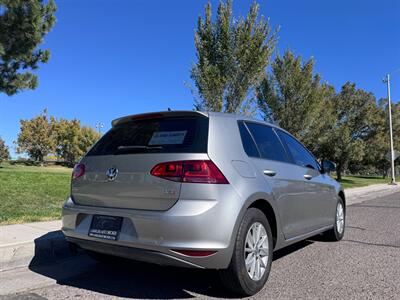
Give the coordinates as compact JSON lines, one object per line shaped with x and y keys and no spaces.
{"x":201,"y":190}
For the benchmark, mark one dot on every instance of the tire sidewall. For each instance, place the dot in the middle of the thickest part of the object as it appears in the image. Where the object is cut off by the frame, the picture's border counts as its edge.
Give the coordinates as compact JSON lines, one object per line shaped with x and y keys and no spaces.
{"x":338,"y":235}
{"x":252,"y":216}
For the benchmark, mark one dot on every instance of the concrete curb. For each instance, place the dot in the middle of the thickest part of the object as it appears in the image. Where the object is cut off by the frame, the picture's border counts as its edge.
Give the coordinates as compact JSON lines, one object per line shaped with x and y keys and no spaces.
{"x":31,"y":244}
{"x":360,"y":194}
{"x":42,"y":243}
{"x":44,"y":250}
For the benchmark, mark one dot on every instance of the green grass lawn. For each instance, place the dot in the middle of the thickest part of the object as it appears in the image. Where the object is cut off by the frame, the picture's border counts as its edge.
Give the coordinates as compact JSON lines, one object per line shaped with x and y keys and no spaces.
{"x":29,"y":193}
{"x":358,"y":181}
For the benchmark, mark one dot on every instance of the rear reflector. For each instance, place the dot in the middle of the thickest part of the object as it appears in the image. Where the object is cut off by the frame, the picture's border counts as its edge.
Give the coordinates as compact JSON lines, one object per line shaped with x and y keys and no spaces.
{"x":195,"y":253}
{"x":193,"y":171}
{"x":79,"y":170}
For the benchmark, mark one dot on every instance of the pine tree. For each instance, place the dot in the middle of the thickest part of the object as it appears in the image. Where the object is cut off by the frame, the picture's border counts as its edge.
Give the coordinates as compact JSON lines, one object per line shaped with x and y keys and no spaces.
{"x":23,"y":24}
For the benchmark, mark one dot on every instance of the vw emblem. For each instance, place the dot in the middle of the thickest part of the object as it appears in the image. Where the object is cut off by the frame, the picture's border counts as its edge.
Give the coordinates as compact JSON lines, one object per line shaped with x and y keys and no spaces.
{"x":112,"y":174}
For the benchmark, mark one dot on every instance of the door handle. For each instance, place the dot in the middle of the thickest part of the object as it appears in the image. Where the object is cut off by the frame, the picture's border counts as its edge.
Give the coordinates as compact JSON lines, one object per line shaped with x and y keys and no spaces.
{"x":269,"y":173}
{"x":308,"y":177}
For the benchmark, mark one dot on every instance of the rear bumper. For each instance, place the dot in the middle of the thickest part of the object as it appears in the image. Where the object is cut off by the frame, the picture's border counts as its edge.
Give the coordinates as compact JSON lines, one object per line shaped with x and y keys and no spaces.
{"x":132,"y":253}
{"x":151,"y":235}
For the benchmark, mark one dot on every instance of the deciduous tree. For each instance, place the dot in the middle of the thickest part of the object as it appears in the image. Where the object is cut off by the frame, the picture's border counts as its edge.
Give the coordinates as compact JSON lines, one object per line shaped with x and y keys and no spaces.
{"x":66,"y":138}
{"x":23,"y":24}
{"x":4,"y":153}
{"x":232,"y":56}
{"x":36,"y":137}
{"x":88,"y":138}
{"x":356,"y":121}
{"x":378,"y":147}
{"x":71,"y":139}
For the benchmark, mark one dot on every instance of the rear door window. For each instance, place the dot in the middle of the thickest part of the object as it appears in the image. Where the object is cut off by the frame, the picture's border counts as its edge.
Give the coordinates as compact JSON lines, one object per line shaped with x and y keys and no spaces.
{"x":162,"y":135}
{"x":300,"y":154}
{"x":268,"y":143}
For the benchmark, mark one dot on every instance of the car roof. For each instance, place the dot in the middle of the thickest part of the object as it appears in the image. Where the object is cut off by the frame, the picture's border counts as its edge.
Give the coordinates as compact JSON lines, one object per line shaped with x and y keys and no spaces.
{"x":239,"y":117}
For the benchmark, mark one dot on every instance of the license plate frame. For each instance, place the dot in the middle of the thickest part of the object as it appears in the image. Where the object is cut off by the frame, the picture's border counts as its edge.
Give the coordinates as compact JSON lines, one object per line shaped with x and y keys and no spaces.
{"x":105,"y":227}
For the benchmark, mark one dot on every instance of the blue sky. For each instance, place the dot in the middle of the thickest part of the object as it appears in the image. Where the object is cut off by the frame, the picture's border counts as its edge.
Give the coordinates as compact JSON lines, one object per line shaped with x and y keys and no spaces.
{"x":112,"y":58}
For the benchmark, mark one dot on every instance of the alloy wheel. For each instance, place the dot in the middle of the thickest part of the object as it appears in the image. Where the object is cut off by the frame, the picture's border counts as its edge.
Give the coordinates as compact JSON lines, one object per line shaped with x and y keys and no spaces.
{"x":339,"y":218}
{"x":256,"y":251}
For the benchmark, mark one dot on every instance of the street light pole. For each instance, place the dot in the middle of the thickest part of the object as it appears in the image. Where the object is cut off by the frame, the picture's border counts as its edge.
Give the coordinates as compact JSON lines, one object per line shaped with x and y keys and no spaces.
{"x":99,"y":126}
{"x":387,"y":81}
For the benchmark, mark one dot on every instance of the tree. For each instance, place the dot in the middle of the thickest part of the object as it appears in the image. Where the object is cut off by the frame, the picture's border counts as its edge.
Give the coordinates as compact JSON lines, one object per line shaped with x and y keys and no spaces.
{"x":88,"y":138}
{"x":356,"y":122}
{"x":66,"y":138}
{"x":4,"y":153}
{"x":294,"y":97}
{"x":36,"y":137}
{"x":71,"y":140}
{"x":376,"y":154}
{"x":23,"y":25}
{"x":232,"y":57}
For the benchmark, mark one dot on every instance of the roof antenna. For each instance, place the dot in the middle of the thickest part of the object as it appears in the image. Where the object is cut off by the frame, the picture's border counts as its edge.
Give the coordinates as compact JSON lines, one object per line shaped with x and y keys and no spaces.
{"x":169,"y":109}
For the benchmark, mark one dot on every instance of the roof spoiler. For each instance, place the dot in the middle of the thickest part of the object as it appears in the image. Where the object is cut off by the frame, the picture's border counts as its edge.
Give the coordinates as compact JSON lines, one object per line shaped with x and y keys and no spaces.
{"x":153,"y":115}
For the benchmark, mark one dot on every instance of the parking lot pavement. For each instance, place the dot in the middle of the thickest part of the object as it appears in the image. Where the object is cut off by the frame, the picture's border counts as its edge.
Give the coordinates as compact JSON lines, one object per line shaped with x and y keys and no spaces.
{"x":366,"y":264}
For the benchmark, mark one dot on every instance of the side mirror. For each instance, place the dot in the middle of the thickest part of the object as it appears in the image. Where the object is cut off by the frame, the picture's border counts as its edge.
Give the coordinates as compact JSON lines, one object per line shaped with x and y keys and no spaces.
{"x":328,"y":166}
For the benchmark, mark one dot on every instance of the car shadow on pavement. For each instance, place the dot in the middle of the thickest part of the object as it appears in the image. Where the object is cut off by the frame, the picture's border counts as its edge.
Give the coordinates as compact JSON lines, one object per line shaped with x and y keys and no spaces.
{"x":124,"y":278}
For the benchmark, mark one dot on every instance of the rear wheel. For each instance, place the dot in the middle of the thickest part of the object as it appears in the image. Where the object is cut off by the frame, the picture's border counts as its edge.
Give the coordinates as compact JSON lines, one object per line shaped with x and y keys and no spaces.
{"x":252,"y":257}
{"x":337,"y":232}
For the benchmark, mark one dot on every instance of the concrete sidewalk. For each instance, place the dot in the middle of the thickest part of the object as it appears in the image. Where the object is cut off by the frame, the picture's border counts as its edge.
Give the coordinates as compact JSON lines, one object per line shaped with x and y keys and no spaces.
{"x":365,"y":193}
{"x":43,"y":243}
{"x":31,"y":243}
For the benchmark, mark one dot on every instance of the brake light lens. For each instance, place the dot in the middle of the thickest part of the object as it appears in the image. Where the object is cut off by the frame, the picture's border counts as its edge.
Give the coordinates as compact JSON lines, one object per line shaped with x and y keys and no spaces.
{"x":78,"y":171}
{"x":193,"y":171}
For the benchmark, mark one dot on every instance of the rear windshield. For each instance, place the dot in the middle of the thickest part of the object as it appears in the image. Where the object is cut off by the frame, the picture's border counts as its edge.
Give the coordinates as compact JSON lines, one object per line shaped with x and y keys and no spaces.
{"x":163,"y":135}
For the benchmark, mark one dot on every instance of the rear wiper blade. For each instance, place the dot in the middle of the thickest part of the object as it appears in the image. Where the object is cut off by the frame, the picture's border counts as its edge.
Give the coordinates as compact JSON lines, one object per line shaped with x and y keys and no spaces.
{"x":136,"y":147}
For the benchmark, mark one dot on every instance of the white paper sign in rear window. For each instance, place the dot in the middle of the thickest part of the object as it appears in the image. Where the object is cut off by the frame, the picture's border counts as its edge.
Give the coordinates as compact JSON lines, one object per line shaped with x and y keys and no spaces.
{"x":167,"y":137}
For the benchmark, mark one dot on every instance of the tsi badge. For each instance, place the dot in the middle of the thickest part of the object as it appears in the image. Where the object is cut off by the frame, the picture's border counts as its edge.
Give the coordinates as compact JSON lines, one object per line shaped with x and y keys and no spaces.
{"x":112,"y":173}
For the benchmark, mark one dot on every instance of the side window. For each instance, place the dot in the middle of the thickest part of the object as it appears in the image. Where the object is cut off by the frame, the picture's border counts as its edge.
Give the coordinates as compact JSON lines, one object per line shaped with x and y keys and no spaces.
{"x":247,"y":141}
{"x":267,"y":142}
{"x":300,"y":154}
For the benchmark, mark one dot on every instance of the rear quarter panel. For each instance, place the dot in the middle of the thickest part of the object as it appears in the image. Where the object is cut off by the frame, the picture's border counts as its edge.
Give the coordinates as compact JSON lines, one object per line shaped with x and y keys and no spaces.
{"x":225,"y":149}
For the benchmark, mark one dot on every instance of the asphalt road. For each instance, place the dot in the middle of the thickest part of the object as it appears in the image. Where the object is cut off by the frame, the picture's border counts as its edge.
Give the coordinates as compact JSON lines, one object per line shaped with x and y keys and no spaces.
{"x":364,"y":265}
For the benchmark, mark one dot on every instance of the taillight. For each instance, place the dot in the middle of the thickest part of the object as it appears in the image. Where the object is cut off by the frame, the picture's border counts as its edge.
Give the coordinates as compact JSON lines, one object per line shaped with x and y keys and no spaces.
{"x":194,"y":171}
{"x":78,"y":171}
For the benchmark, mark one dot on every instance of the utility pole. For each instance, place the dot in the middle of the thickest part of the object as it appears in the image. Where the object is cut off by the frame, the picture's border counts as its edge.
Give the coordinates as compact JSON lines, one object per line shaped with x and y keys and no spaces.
{"x":387,"y":81}
{"x":99,"y":126}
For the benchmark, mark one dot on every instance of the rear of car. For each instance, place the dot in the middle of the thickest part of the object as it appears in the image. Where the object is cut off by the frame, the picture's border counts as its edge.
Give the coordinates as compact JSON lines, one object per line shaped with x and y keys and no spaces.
{"x":148,"y":190}
{"x":204,"y":190}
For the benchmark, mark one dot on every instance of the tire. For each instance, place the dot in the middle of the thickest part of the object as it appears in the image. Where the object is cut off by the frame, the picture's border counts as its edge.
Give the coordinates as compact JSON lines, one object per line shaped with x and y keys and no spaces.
{"x":237,"y":278}
{"x":336,"y":233}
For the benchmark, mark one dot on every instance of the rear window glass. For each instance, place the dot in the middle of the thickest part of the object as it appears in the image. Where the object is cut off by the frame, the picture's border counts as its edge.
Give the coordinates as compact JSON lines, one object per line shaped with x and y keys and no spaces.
{"x":163,"y":135}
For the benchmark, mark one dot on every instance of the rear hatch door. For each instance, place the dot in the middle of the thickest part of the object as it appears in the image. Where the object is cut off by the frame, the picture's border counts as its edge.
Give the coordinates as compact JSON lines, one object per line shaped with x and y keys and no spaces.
{"x":117,"y":168}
